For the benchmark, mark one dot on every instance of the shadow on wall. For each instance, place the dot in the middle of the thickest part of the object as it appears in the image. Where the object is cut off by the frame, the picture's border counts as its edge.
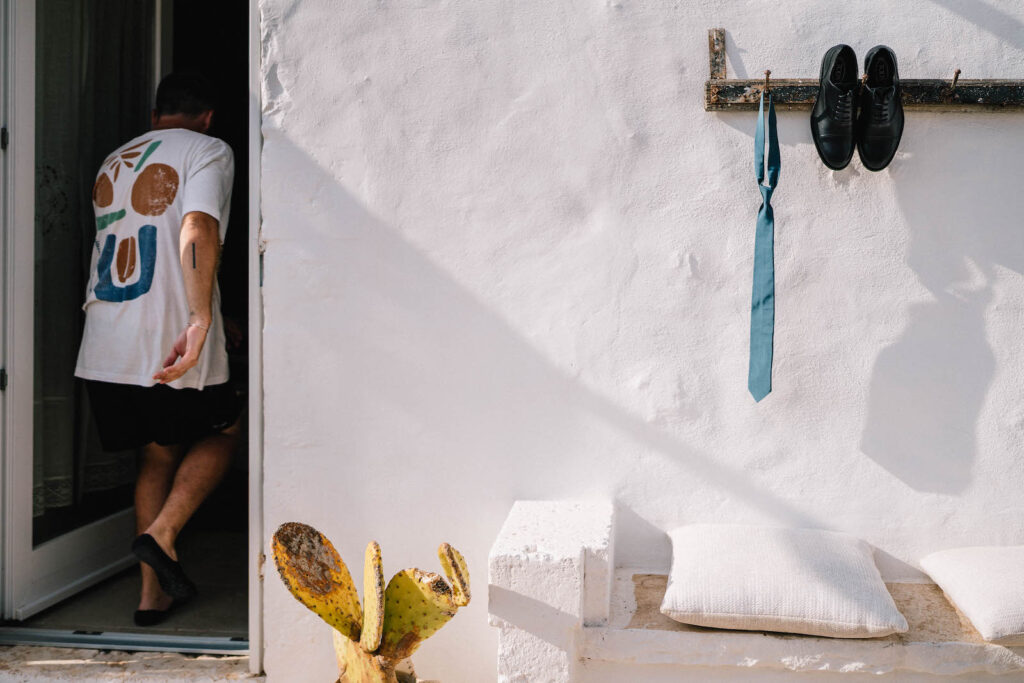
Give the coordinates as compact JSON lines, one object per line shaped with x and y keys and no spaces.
{"x":414,"y":375}
{"x":1005,"y":26}
{"x":957,"y":193}
{"x":405,"y":355}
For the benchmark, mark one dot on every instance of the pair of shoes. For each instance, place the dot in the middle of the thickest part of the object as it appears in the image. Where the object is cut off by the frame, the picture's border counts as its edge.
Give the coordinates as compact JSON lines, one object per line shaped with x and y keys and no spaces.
{"x":152,"y":617}
{"x":870,"y":120}
{"x":169,"y":573}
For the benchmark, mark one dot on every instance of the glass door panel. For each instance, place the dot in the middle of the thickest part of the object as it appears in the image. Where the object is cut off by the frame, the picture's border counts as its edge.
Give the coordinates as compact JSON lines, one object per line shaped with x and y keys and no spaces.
{"x":85,"y":78}
{"x":93,"y":82}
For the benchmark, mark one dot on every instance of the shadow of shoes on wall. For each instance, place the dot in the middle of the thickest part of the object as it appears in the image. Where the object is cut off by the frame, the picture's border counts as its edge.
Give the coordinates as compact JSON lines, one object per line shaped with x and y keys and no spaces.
{"x":926,"y":393}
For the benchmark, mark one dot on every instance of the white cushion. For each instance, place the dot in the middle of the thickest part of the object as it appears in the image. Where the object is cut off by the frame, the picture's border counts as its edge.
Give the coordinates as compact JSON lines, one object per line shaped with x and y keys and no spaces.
{"x":817,"y":583}
{"x":987,"y":585}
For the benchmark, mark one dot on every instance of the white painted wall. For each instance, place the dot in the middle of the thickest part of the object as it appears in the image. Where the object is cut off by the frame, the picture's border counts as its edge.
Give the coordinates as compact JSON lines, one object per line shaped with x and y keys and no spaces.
{"x":509,"y":256}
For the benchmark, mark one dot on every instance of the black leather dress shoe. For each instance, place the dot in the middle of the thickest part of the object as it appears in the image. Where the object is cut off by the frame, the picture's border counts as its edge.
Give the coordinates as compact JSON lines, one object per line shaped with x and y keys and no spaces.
{"x":152,"y":617}
{"x":880,"y":124}
{"x":169,"y":573}
{"x":832,"y":118}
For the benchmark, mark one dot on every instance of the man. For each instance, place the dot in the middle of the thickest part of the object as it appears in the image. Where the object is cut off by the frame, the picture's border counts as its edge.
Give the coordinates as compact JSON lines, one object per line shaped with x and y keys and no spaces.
{"x":153,"y":350}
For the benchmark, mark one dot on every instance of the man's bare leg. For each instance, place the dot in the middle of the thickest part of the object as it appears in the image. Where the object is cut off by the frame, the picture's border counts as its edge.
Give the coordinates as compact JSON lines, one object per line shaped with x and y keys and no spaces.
{"x":153,"y":485}
{"x":200,"y":471}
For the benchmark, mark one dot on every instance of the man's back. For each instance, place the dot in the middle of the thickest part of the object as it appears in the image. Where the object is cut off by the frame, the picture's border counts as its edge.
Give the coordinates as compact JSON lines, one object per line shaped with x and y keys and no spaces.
{"x":136,"y":301}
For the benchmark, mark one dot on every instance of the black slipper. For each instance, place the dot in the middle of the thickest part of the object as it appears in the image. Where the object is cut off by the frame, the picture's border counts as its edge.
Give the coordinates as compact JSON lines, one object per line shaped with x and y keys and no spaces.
{"x":152,"y":617}
{"x":168,"y":572}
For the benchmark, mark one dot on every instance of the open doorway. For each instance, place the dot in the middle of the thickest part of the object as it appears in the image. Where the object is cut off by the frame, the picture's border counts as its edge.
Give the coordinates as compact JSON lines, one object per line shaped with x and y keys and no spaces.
{"x":95,"y":70}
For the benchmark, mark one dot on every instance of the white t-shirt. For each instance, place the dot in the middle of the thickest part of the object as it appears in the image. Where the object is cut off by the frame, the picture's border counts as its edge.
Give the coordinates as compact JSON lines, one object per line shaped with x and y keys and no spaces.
{"x":135,"y":304}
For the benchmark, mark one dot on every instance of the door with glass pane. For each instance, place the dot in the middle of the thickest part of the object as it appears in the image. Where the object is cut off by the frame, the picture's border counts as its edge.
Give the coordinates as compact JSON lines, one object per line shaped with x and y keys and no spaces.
{"x":80,"y":81}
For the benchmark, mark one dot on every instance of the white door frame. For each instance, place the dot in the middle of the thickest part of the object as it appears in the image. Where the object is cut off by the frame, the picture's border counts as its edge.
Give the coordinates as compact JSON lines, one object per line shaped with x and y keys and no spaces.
{"x":256,"y":556}
{"x":18,"y":180}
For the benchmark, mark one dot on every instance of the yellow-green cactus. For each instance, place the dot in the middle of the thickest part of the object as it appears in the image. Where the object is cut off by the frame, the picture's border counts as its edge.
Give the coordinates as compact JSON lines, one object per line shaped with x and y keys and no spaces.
{"x":373,"y":598}
{"x":372,"y":645}
{"x":457,"y":572}
{"x":315,"y":574}
{"x":357,"y":666}
{"x":416,"y":605}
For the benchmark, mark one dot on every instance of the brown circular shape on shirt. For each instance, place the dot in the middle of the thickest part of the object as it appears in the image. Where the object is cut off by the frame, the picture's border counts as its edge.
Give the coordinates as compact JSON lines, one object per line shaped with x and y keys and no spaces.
{"x":154,"y":189}
{"x":125,"y":259}
{"x":103,"y":191}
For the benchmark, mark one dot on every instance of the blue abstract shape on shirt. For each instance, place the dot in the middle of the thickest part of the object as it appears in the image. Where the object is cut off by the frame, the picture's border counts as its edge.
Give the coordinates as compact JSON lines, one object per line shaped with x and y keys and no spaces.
{"x":106,"y":290}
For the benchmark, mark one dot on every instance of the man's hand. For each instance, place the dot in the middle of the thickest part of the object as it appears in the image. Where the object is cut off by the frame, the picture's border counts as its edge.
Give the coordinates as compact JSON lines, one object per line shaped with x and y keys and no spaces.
{"x":184,"y":355}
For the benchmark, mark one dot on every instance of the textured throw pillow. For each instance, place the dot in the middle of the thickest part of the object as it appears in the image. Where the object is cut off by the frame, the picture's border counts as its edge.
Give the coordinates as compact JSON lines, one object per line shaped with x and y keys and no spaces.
{"x":817,"y":583}
{"x":987,"y":585}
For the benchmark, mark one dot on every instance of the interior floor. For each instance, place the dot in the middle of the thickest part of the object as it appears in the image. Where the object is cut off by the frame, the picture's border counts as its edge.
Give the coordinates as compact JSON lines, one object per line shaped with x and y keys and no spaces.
{"x":212,"y":549}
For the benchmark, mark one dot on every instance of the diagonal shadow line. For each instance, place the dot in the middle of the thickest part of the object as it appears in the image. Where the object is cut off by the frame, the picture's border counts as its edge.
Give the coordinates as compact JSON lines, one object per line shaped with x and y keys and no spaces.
{"x":383,"y":270}
{"x":387,"y":243}
{"x":1003,"y":25}
{"x":538,"y":618}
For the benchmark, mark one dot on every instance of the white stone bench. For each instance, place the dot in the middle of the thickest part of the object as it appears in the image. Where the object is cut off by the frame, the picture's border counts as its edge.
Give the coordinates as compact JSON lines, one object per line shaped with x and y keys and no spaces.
{"x":566,"y":613}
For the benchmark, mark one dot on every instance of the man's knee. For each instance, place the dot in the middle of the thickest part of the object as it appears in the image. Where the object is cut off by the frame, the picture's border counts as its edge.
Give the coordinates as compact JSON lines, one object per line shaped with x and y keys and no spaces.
{"x":156,"y":454}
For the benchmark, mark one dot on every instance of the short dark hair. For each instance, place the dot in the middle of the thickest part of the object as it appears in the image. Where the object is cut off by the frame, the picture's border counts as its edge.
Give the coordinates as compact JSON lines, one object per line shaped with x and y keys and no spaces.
{"x":184,"y":93}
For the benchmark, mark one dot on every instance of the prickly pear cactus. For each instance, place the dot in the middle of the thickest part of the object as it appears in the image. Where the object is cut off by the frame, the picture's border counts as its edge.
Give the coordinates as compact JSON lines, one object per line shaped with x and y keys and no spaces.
{"x":314,"y":573}
{"x":416,"y":605}
{"x":372,"y":643}
{"x":455,"y":569}
{"x":373,"y":596}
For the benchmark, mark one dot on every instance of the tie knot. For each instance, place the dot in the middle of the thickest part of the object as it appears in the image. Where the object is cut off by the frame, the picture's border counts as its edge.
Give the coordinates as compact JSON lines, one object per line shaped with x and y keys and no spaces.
{"x":766,"y":192}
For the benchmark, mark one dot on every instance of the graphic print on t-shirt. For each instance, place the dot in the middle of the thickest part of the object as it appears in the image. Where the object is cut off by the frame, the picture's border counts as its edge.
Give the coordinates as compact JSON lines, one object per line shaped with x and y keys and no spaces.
{"x":136,"y":303}
{"x":106,"y":290}
{"x":153,"y":190}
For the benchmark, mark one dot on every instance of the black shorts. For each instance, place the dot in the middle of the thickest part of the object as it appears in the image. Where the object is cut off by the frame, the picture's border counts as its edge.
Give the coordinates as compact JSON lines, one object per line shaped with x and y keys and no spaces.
{"x":130,"y":416}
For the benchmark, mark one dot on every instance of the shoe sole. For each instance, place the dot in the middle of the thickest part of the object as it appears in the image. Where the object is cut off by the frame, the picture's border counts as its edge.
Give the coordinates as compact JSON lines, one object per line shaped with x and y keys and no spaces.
{"x":152,"y":617}
{"x":832,"y":52}
{"x":899,"y":136}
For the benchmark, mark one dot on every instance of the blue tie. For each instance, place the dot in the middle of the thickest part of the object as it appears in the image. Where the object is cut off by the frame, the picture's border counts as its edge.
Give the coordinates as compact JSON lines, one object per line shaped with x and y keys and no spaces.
{"x":762,"y":307}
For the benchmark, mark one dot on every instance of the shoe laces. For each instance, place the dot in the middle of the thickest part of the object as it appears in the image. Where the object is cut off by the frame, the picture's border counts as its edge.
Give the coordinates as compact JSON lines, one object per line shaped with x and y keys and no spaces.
{"x":880,"y":109}
{"x":844,"y":107}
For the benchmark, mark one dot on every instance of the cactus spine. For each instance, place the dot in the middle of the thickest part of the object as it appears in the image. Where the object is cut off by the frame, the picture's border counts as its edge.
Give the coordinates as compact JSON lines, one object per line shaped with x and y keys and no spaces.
{"x":371,"y":643}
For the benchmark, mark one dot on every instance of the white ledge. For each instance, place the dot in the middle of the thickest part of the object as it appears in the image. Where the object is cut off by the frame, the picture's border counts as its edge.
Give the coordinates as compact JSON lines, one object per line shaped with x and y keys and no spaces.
{"x":940,"y":640}
{"x":558,"y":601}
{"x":795,"y":653}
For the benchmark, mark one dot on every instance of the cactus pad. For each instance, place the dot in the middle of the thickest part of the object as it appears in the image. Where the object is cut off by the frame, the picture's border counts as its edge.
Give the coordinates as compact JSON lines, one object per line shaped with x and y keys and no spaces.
{"x":416,"y":605}
{"x":457,"y":572}
{"x":315,"y":574}
{"x":373,"y":598}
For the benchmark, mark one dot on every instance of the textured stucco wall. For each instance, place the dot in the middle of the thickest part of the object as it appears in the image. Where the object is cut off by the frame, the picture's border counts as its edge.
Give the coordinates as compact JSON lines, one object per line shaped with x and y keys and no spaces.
{"x":508,"y":255}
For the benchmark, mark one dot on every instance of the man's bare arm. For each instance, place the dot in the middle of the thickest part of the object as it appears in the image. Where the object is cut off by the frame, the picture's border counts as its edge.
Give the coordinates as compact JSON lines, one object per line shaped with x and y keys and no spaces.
{"x":200,"y":251}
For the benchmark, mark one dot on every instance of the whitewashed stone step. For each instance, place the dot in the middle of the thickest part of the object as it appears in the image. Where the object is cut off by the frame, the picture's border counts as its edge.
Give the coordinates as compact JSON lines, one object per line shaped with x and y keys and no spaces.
{"x":940,"y":640}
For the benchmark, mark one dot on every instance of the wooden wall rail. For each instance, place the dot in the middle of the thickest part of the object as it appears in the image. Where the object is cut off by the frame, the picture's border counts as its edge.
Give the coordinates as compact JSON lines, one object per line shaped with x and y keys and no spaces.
{"x":955,"y":94}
